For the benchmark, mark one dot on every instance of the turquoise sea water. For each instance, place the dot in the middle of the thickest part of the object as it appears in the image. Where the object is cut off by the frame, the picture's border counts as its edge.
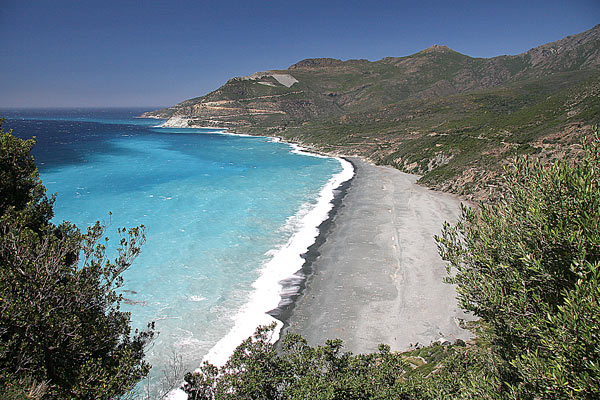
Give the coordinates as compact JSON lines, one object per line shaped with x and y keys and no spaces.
{"x":227,"y":217}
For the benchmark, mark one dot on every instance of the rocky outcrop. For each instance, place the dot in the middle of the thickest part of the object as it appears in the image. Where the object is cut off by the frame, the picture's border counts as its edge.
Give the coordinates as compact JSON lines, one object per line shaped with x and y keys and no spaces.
{"x":576,"y":51}
{"x":311,"y":63}
{"x":286,"y":80}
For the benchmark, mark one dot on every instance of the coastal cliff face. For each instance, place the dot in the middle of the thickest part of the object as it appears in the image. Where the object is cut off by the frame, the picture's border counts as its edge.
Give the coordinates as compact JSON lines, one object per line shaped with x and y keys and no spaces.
{"x":453,"y":118}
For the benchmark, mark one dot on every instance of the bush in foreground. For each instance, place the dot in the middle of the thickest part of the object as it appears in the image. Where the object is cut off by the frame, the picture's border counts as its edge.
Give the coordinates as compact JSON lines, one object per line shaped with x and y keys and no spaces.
{"x":62,"y":334}
{"x":257,"y":371}
{"x":529,"y":268}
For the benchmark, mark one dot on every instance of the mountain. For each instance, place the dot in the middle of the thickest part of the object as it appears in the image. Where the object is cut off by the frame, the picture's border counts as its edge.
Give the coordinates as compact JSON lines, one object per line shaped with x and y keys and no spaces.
{"x":452,"y":118}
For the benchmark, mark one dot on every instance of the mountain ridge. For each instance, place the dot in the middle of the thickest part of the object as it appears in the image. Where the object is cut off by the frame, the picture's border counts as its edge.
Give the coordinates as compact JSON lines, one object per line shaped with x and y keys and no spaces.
{"x":373,"y":108}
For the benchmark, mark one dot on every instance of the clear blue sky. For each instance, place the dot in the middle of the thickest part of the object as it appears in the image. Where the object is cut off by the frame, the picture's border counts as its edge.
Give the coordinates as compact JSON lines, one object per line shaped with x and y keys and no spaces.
{"x":153,"y":53}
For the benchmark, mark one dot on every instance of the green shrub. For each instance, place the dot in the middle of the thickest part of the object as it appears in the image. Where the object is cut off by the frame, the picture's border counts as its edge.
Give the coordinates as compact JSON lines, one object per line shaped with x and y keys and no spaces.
{"x":528,"y":267}
{"x":257,"y":371}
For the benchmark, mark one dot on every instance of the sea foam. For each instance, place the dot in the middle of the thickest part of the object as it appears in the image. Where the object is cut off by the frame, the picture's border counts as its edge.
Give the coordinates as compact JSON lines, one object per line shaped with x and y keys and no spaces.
{"x":284,"y":263}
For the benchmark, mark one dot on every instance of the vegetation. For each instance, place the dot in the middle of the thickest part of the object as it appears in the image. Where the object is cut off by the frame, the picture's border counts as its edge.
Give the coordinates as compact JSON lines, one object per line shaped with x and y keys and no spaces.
{"x":461,"y":142}
{"x":62,"y":334}
{"x":527,"y":266}
{"x":257,"y":371}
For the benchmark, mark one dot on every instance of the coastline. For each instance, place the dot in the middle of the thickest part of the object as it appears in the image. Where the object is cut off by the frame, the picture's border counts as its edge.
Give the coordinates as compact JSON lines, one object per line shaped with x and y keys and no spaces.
{"x":272,"y":288}
{"x":306,"y":305}
{"x":314,"y":304}
{"x":299,"y":248}
{"x":285,"y":275}
{"x":294,"y":287}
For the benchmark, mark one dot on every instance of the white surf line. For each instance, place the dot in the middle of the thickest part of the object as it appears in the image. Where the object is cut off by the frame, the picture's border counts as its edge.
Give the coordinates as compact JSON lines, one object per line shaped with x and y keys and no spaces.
{"x":284,"y":263}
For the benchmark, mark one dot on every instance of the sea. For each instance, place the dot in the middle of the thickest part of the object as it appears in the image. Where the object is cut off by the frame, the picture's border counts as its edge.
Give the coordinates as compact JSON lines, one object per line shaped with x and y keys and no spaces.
{"x":228,"y":218}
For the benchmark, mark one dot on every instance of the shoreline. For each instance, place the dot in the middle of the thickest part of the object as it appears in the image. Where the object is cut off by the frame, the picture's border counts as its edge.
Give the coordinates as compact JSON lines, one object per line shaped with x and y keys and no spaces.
{"x":290,"y":287}
{"x":295,"y":309}
{"x":272,"y":287}
{"x":298,"y":311}
{"x":294,"y":287}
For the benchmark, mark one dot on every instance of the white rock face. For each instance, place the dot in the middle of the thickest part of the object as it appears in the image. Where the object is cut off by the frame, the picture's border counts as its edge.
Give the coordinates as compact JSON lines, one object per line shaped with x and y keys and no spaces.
{"x":176,"y":122}
{"x":267,"y":84}
{"x":286,"y":80}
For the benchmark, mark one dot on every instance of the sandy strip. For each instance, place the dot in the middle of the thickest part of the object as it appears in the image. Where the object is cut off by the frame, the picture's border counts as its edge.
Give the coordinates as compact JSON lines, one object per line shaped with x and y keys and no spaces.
{"x":378,"y":276}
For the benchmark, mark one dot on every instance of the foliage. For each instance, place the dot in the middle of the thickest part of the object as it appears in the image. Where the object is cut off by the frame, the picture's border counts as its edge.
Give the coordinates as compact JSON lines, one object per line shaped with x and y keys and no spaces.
{"x":257,"y":371}
{"x":62,"y":334}
{"x":529,"y":268}
{"x":461,"y":373}
{"x":20,"y":185}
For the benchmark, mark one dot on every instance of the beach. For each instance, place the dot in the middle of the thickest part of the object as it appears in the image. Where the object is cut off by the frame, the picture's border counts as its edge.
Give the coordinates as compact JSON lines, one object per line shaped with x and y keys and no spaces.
{"x":377,"y":276}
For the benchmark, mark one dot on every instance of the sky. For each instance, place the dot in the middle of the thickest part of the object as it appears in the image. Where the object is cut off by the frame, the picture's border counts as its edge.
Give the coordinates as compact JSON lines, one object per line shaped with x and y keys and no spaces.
{"x":157,"y":53}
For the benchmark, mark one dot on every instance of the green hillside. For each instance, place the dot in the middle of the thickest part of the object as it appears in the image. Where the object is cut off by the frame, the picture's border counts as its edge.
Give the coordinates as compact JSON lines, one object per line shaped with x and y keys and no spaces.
{"x":460,"y":142}
{"x":452,"y":118}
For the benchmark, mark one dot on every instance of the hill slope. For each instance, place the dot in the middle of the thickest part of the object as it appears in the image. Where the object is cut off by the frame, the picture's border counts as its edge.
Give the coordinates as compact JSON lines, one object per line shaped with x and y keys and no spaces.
{"x":450,"y":117}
